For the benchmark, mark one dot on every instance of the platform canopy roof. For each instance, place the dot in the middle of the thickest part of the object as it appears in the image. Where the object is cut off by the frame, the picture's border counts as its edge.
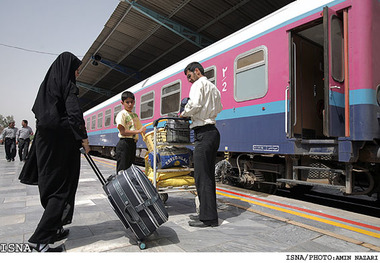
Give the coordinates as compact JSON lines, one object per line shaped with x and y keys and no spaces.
{"x":144,"y":37}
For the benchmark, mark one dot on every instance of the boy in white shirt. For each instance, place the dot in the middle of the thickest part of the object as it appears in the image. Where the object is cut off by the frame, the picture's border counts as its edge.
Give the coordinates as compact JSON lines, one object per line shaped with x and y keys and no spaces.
{"x":129,"y":126}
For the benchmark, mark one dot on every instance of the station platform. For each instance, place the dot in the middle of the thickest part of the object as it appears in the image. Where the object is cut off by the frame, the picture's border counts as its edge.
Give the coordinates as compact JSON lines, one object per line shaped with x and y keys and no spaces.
{"x":248,"y":221}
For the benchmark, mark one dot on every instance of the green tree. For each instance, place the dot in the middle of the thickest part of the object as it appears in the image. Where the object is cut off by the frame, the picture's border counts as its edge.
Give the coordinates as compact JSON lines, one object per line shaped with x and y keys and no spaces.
{"x":4,"y":121}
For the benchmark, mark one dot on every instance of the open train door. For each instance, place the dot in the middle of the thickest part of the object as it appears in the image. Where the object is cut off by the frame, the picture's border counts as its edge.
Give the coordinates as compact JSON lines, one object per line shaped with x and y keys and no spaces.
{"x":334,"y":97}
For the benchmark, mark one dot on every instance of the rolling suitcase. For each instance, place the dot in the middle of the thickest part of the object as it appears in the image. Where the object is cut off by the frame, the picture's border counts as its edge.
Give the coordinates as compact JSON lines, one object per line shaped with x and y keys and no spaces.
{"x":134,"y":199}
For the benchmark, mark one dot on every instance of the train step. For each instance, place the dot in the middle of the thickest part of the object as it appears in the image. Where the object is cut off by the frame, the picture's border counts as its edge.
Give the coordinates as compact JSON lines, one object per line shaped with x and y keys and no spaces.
{"x":319,"y":141}
{"x":317,"y":147}
{"x":295,"y":182}
{"x":297,"y":167}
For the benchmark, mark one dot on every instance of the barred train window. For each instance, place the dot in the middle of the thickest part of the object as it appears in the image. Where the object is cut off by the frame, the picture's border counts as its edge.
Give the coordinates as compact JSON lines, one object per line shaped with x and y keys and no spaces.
{"x":251,"y":75}
{"x":107,"y":118}
{"x":210,"y":75}
{"x":93,"y":122}
{"x":100,"y":120}
{"x":116,"y":110}
{"x":337,"y":49}
{"x":88,"y":123}
{"x":170,"y":98}
{"x":147,"y":106}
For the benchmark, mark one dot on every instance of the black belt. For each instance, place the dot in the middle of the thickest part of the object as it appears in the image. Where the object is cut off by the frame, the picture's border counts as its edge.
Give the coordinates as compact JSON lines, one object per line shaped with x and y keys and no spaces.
{"x":203,"y":128}
{"x":127,"y":139}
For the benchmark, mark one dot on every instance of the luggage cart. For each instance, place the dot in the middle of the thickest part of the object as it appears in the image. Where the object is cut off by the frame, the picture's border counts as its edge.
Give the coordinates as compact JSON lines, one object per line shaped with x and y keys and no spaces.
{"x":155,"y":140}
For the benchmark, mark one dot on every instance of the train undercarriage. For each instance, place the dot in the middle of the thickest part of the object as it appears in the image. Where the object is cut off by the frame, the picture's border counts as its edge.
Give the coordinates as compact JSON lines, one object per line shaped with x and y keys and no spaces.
{"x":267,"y":173}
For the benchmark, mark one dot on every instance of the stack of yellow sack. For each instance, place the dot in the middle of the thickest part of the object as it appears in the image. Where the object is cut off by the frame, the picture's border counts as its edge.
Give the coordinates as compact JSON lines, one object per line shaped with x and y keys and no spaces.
{"x":164,"y":179}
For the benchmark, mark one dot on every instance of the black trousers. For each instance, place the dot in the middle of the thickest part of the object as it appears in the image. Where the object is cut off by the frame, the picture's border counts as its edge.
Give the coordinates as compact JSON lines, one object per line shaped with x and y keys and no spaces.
{"x":58,"y":162}
{"x":10,"y":148}
{"x":207,"y":139}
{"x":125,"y":153}
{"x":23,"y":148}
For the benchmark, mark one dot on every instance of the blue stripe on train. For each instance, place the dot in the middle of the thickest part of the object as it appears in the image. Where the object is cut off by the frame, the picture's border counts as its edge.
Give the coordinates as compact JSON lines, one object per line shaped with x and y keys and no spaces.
{"x":253,"y":110}
{"x":362,"y":96}
{"x":244,"y":134}
{"x":261,"y":127}
{"x":357,"y":97}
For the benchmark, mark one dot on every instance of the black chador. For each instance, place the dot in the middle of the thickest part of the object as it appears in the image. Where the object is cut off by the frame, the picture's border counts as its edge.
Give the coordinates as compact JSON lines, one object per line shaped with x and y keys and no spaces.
{"x":61,"y":130}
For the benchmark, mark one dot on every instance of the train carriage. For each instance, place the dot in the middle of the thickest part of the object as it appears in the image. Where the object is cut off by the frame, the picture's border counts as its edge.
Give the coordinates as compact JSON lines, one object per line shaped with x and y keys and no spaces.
{"x":300,"y":95}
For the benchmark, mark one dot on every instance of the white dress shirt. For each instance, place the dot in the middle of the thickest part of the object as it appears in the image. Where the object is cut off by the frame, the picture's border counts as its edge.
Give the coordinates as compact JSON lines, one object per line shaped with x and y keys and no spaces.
{"x":204,"y":104}
{"x":9,"y":133}
{"x":24,"y":133}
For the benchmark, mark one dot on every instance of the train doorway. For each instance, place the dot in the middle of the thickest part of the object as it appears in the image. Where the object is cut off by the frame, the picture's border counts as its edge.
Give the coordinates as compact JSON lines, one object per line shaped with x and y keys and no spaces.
{"x":307,"y":88}
{"x":316,"y":94}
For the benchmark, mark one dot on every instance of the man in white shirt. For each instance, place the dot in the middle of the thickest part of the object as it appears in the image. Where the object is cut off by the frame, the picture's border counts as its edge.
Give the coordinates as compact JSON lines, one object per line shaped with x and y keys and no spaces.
{"x":23,"y":140}
{"x":9,"y":137}
{"x":203,"y":106}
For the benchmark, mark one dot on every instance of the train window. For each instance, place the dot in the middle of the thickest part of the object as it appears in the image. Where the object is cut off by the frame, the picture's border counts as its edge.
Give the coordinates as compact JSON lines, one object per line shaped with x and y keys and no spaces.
{"x":170,"y":98}
{"x":337,"y":49}
{"x":88,"y":123}
{"x":107,"y":118}
{"x":93,"y":122}
{"x":210,"y":74}
{"x":147,"y":106}
{"x":251,"y":75}
{"x":100,"y":120}
{"x":116,"y":110}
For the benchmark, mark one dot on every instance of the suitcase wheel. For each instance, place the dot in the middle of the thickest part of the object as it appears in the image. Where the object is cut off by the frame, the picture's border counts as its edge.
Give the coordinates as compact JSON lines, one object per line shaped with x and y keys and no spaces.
{"x":141,"y":245}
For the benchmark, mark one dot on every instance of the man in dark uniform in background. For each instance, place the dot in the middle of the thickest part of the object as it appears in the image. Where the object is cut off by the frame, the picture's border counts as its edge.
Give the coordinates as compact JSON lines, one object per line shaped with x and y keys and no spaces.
{"x":23,"y":140}
{"x":9,"y":137}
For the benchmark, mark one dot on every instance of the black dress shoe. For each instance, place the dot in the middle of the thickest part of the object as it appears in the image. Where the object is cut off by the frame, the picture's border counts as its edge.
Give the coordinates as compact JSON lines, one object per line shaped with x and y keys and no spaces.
{"x":62,"y":234}
{"x":197,"y":223}
{"x":194,"y":217}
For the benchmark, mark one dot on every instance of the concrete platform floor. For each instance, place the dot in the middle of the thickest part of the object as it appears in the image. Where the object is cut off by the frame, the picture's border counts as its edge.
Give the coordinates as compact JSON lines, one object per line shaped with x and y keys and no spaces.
{"x":249,"y":222}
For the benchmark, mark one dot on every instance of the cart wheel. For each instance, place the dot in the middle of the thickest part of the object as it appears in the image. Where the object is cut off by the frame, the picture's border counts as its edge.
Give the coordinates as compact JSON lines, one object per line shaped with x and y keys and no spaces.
{"x":141,"y":245}
{"x":164,"y":197}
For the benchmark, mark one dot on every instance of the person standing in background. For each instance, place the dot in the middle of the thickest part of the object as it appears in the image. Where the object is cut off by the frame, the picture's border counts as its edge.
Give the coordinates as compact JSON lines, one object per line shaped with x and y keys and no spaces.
{"x":23,"y":140}
{"x":9,"y":137}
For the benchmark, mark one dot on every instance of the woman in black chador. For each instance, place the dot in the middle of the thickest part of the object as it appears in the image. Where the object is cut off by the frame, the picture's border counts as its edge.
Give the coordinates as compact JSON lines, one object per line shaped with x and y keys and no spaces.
{"x":61,"y":133}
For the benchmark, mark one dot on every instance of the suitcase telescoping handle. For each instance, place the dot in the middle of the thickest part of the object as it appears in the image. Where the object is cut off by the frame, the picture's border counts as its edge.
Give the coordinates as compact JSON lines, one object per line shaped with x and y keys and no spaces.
{"x":94,"y":166}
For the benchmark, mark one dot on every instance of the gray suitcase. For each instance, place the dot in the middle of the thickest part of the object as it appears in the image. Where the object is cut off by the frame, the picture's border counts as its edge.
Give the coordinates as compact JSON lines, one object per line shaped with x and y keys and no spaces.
{"x":134,"y":199}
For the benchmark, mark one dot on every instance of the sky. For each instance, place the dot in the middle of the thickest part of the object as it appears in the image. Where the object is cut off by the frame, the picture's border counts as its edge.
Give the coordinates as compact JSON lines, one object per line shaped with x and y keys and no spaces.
{"x":46,"y":26}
